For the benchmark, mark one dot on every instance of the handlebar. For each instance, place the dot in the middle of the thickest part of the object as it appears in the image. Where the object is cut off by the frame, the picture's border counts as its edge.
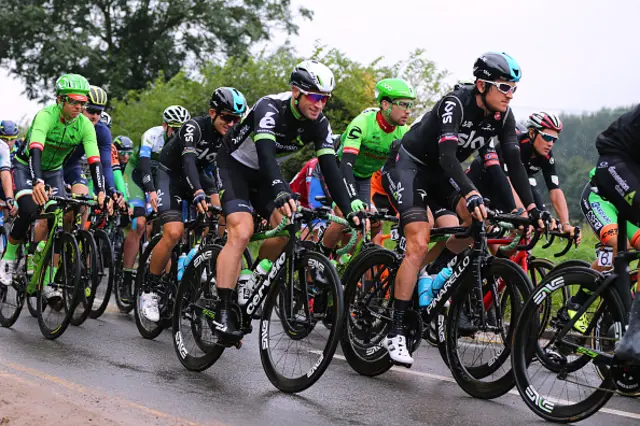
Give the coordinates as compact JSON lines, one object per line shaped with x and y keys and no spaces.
{"x":564,"y":235}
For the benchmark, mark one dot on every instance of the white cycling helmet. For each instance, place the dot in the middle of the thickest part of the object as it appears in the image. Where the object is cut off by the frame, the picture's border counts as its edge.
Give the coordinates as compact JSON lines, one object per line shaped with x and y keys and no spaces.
{"x":312,"y":76}
{"x":175,"y":116}
{"x":106,"y":119}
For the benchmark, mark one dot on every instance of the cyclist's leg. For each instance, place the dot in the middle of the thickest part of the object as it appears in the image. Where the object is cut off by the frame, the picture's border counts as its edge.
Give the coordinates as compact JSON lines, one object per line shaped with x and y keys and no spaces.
{"x":74,"y":176}
{"x":137,"y":227}
{"x":618,"y":180}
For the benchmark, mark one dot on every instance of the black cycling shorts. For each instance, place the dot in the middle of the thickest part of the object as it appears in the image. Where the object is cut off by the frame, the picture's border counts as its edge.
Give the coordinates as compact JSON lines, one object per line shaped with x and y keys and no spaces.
{"x":23,"y":185}
{"x":618,"y":181}
{"x":172,"y":188}
{"x":243,"y":189}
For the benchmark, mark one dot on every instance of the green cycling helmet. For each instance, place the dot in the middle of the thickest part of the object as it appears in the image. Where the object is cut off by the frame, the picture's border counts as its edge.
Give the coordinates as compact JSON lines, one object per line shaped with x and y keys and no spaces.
{"x":394,"y":88}
{"x":72,"y":85}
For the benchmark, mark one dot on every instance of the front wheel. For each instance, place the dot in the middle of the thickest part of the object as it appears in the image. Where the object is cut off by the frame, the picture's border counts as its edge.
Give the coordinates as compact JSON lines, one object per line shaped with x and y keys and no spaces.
{"x":13,"y":296}
{"x":88,"y":276}
{"x":294,"y":364}
{"x":146,"y":328}
{"x":105,"y":274}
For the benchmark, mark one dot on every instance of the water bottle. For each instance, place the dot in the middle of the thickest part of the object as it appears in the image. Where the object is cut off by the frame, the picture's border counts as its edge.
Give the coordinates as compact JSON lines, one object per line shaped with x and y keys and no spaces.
{"x":191,"y":255}
{"x":425,"y":281}
{"x":181,"y":265}
{"x":33,"y":259}
{"x":344,"y":259}
{"x":440,"y":279}
{"x":243,"y":290}
{"x":260,"y":273}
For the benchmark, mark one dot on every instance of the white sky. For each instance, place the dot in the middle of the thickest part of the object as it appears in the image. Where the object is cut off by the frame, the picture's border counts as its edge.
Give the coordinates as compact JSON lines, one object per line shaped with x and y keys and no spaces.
{"x":575,"y":55}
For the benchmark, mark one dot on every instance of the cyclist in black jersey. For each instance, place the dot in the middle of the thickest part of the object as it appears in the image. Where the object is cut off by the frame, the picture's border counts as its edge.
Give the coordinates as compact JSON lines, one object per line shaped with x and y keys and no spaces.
{"x":428,"y":166}
{"x":250,"y":177}
{"x":182,"y":174}
{"x":618,"y":180}
{"x":536,"y":142}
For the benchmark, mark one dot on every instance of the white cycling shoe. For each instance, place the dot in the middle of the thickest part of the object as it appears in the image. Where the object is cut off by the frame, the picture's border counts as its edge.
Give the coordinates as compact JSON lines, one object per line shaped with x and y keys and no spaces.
{"x":398,"y":351}
{"x":149,"y":306}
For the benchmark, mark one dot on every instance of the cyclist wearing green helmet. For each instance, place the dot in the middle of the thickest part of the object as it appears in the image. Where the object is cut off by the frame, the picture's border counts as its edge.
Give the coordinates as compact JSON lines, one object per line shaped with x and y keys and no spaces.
{"x":366,"y":144}
{"x":55,"y":132}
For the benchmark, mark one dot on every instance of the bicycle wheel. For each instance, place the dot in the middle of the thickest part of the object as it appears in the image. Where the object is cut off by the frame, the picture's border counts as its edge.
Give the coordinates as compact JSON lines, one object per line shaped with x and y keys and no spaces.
{"x":146,"y":328}
{"x":32,"y":305}
{"x":88,"y":276}
{"x":194,"y":340}
{"x":478,"y":355}
{"x":575,"y":390}
{"x":12,"y":297}
{"x":538,"y":269}
{"x":105,"y":274}
{"x":295,"y":365}
{"x":54,"y":318}
{"x":368,"y":285}
{"x":125,"y":305}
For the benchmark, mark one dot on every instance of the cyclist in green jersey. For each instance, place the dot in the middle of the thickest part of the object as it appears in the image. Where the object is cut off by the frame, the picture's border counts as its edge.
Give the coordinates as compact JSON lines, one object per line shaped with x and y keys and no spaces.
{"x":54,"y":133}
{"x":366,"y":144}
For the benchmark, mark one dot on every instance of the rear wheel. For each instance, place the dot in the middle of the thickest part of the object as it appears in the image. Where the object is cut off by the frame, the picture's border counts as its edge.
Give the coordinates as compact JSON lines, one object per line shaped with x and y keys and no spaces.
{"x":146,"y":328}
{"x":12,"y":297}
{"x":88,"y":276}
{"x":105,"y":274}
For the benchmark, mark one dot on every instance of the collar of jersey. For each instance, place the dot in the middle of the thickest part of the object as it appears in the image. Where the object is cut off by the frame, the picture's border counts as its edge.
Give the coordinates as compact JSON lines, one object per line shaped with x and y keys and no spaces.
{"x":294,"y":111}
{"x":386,"y":127}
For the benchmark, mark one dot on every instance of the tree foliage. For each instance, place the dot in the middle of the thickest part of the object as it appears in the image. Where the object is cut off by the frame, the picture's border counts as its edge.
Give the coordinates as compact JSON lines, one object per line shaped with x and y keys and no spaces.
{"x":123,"y":44}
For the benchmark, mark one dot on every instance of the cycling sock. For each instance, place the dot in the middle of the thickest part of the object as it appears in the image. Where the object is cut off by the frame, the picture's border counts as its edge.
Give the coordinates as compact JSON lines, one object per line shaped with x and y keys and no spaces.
{"x":397,"y":320}
{"x":324,"y":250}
{"x":441,"y":261}
{"x":225,"y":295}
{"x":12,"y":251}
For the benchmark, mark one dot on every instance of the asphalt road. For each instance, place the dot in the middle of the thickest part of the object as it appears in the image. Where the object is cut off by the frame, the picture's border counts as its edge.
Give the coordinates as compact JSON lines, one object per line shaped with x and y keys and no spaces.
{"x":107,"y":361}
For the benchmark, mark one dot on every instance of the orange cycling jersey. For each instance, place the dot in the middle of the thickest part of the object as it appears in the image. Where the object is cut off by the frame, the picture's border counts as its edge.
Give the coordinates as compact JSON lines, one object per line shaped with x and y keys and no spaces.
{"x":115,"y":159}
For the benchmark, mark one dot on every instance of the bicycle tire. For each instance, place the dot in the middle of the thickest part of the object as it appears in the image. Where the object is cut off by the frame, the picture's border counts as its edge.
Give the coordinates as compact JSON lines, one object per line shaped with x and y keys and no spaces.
{"x":525,"y":340}
{"x":105,"y":262}
{"x":125,"y":307}
{"x":16,"y":294}
{"x":470,"y":378}
{"x":332,"y":284}
{"x":148,"y":330}
{"x":191,"y":290}
{"x":372,"y":359}
{"x":32,"y":305}
{"x":89,"y":276}
{"x":69,"y":269}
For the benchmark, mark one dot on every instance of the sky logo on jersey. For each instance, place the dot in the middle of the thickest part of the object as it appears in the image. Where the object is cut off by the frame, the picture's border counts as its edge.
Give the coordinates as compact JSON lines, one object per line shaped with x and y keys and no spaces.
{"x":471,"y":141}
{"x":447,"y":117}
{"x":188,"y":132}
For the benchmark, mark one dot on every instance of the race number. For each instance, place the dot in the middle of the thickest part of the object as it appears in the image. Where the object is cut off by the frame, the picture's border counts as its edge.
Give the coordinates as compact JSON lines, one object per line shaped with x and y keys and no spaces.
{"x":605,"y":256}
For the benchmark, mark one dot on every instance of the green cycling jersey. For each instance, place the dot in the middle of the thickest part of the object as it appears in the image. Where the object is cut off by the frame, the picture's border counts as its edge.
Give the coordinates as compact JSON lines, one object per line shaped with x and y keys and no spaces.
{"x":370,"y":138}
{"x":58,"y":138}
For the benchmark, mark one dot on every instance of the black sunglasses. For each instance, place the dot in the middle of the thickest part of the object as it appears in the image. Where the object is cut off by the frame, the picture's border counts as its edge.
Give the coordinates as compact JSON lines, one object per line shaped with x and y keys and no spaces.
{"x":93,"y":111}
{"x":230,"y":118}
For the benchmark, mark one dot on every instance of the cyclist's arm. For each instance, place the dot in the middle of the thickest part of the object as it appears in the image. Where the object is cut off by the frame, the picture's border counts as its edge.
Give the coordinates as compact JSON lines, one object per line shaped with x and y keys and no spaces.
{"x":103,"y":136}
{"x":42,"y":123}
{"x":537,"y":198}
{"x":450,"y":115}
{"x":560,"y":205}
{"x":93,"y":156}
{"x":144,"y":165}
{"x":118,"y":179}
{"x":189,"y":136}
{"x":5,"y":170}
{"x":336,"y":183}
{"x":491,"y":162}
{"x":511,"y":155}
{"x":350,"y":151}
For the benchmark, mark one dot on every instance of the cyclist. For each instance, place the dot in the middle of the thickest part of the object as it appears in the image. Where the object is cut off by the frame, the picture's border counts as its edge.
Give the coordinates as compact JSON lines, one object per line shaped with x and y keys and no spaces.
{"x":138,"y":176}
{"x":121,"y":150}
{"x":73,"y":172}
{"x":53,"y":135}
{"x":366,"y":143}
{"x":250,"y":177}
{"x":428,"y":165}
{"x":182,"y":175}
{"x":617,"y":178}
{"x":8,"y":134}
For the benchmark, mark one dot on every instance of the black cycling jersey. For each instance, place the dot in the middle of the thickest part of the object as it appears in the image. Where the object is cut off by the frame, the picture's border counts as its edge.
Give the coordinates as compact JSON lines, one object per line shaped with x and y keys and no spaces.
{"x":622,"y":137}
{"x":274,"y":127}
{"x":456,"y":128}
{"x":191,"y":149}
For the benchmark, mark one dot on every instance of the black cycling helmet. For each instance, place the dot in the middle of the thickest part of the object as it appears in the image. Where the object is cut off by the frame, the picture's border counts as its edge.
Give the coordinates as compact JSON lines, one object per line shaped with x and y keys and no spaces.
{"x":123,"y":143}
{"x":493,"y":66}
{"x":228,"y":99}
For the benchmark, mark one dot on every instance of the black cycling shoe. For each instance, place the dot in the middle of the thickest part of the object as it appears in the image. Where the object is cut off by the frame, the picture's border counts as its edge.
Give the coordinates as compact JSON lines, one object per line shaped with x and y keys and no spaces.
{"x":226,"y":324}
{"x":465,"y":326}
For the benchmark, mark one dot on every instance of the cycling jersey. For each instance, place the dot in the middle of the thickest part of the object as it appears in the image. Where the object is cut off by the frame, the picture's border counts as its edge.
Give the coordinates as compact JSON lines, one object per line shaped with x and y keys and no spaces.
{"x":369,"y":137}
{"x":622,"y":137}
{"x":305,"y":183}
{"x":5,"y":157}
{"x":73,"y":172}
{"x":150,"y":146}
{"x":191,"y":150}
{"x":118,"y":172}
{"x":457,"y":127}
{"x":52,"y":140}
{"x":274,"y":127}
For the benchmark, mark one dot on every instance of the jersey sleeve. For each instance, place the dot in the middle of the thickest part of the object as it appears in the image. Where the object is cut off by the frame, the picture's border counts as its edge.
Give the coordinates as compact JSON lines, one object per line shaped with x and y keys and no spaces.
{"x":450,"y":113}
{"x":146,"y":144}
{"x":41,"y":125}
{"x":355,"y":133}
{"x":103,"y":136}
{"x":512,"y":160}
{"x":265,"y":115}
{"x":5,"y":157}
{"x":549,"y":173}
{"x":189,"y":136}
{"x":90,"y":142}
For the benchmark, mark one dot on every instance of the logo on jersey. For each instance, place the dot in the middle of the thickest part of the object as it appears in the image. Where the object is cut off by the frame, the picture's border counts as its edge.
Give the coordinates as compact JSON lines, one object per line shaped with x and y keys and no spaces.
{"x":447,"y":117}
{"x":268,"y":122}
{"x":188,"y":132}
{"x":471,"y":140}
{"x":467,"y":124}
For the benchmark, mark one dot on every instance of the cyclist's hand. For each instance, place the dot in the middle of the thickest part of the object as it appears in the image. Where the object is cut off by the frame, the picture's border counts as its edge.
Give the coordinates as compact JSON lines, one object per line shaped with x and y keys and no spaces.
{"x":153,"y":200}
{"x":567,"y":228}
{"x":130,"y":211}
{"x":102,"y":198}
{"x":475,"y":205}
{"x":39,"y":194}
{"x":109,"y":204}
{"x":286,"y":204}
{"x":538,"y":216}
{"x":355,"y":219}
{"x":200,"y":201}
{"x":13,"y":206}
{"x":358,"y":206}
{"x":119,"y":200}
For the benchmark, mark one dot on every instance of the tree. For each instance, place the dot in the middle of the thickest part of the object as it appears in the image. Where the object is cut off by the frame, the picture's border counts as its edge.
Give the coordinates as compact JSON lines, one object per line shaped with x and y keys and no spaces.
{"x":263,"y":74}
{"x":123,"y":44}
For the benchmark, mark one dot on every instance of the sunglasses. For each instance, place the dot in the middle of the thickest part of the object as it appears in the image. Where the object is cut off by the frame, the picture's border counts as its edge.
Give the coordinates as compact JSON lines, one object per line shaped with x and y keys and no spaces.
{"x":547,"y":137}
{"x":503,"y":88}
{"x":8,"y":138}
{"x":125,"y":152}
{"x":403,"y":104}
{"x":76,"y":102}
{"x":315,"y":97}
{"x":230,"y":118}
{"x":93,"y":111}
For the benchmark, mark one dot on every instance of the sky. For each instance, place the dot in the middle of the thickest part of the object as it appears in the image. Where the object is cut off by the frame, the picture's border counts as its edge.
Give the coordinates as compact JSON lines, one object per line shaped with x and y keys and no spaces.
{"x":575,"y":55}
